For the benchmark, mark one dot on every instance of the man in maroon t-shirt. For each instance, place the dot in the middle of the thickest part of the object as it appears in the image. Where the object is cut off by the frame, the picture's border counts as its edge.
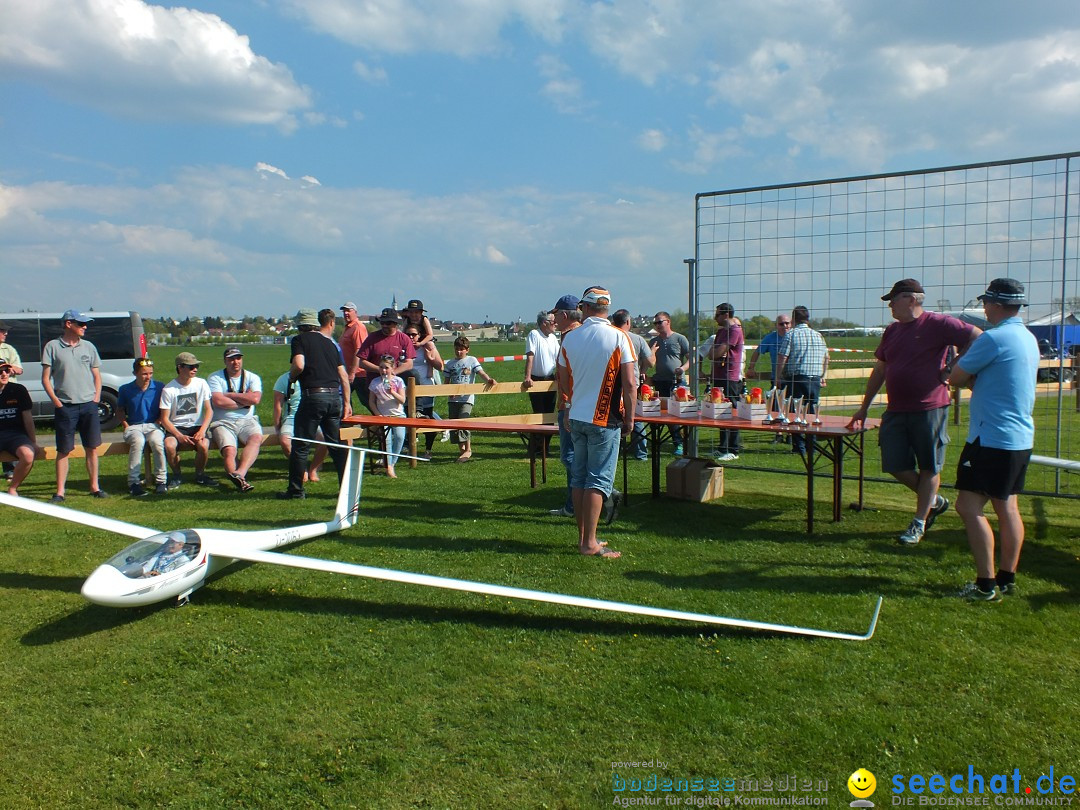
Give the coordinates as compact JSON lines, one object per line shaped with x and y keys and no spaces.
{"x":388,"y":340}
{"x":913,"y":362}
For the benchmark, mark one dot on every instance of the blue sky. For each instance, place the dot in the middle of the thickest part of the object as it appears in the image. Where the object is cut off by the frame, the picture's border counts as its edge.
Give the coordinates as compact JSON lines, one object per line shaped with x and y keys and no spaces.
{"x":257,"y":156}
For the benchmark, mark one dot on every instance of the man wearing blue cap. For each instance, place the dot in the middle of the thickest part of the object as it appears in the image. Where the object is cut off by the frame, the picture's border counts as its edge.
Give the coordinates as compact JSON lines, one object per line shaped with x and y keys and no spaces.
{"x":1001,"y":367}
{"x":71,"y":377}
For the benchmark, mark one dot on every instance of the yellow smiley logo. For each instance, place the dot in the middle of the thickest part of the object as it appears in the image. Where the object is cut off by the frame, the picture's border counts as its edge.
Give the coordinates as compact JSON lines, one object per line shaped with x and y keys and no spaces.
{"x":861,"y":783}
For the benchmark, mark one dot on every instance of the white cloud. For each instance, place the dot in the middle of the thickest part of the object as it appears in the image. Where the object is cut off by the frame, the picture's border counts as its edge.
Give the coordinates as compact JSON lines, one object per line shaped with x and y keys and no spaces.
{"x":147,"y":62}
{"x":371,"y":75}
{"x":652,"y":140}
{"x":266,"y":168}
{"x":146,"y":244}
{"x":495,"y":256}
{"x":562,"y":89}
{"x":459,"y":27}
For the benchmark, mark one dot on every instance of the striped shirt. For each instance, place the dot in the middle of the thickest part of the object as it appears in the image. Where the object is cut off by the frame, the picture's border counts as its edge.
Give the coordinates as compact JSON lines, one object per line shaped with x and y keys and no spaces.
{"x":805,"y":351}
{"x":593,"y":356}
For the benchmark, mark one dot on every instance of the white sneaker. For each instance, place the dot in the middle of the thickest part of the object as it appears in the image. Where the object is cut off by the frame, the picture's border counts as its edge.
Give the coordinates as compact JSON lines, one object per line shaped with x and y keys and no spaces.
{"x":915,"y":531}
{"x":444,"y":436}
{"x":560,"y":512}
{"x":724,"y":457}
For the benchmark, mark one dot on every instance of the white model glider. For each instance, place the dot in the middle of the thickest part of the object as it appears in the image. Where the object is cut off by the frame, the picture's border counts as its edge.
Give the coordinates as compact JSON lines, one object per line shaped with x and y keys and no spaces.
{"x":170,"y":565}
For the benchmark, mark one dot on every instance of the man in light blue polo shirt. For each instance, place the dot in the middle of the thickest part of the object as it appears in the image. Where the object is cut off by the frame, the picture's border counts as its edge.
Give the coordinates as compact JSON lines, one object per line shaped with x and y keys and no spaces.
{"x":1001,"y":367}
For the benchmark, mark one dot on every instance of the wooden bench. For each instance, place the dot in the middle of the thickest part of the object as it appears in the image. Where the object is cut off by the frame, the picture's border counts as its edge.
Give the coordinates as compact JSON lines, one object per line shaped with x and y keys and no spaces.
{"x":48,"y":452}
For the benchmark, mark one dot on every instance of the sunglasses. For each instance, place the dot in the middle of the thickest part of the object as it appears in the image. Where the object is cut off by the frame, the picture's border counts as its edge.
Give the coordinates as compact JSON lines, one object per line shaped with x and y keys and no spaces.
{"x":412,"y":334}
{"x":659,"y":322}
{"x":188,"y":365}
{"x":6,"y":370}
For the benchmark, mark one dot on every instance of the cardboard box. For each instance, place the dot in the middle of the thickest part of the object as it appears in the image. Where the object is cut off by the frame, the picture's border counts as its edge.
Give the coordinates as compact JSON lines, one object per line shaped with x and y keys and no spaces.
{"x":674,"y":475}
{"x":716,"y":410}
{"x":753,"y":412}
{"x":688,"y":409}
{"x":695,"y":479}
{"x":647,"y":407}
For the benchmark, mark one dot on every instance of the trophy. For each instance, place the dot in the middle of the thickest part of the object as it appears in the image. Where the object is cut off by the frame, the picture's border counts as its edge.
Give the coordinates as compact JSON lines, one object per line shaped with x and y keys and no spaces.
{"x":778,"y":402}
{"x":817,"y":416}
{"x":799,"y":409}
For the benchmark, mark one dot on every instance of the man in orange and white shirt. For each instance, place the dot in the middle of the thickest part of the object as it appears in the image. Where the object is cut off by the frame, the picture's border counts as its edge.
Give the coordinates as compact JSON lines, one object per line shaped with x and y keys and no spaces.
{"x":596,"y":375}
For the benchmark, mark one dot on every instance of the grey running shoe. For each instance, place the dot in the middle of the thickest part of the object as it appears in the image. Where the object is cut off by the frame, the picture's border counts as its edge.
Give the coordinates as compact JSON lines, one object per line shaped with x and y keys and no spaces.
{"x":138,"y":491}
{"x":1009,"y":590}
{"x":100,"y":493}
{"x":973,"y":593}
{"x":939,"y":508}
{"x":205,"y":480}
{"x":174,"y":482}
{"x":913,"y":535}
{"x":161,"y":489}
{"x":562,"y":511}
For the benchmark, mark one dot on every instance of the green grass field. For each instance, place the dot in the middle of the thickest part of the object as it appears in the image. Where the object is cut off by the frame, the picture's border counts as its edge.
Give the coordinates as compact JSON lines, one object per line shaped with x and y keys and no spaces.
{"x":278,"y":688}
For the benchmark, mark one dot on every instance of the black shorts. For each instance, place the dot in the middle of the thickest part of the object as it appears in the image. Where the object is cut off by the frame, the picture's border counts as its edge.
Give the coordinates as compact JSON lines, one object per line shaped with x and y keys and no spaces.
{"x":189,"y":432}
{"x":12,"y":440}
{"x":992,"y":471}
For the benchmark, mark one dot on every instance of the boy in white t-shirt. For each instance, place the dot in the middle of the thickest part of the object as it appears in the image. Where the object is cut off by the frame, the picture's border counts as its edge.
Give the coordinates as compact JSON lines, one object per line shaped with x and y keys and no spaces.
{"x":185,"y":417}
{"x":463,"y":370}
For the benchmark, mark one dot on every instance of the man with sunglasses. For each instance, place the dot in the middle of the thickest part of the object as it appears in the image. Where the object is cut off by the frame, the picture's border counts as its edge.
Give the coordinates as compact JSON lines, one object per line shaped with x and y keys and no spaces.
{"x":17,"y":435}
{"x":138,"y":404}
{"x":185,"y":416}
{"x":71,"y":377}
{"x":769,"y":345}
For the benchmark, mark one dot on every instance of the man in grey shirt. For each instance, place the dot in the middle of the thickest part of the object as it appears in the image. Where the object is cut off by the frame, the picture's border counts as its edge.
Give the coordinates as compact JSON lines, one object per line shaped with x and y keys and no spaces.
{"x":71,"y":377}
{"x":643,"y":362}
{"x":672,"y":355}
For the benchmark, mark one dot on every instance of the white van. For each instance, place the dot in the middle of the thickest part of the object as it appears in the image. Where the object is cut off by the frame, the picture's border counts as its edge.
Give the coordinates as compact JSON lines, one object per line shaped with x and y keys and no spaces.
{"x":118,"y":337}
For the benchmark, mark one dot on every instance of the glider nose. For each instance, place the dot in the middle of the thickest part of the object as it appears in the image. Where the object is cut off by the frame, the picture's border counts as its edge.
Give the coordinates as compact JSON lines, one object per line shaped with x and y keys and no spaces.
{"x":106,"y":586}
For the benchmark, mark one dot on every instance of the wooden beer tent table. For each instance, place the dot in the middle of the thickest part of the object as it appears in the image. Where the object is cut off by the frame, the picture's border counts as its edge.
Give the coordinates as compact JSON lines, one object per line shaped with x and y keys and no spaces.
{"x":832,"y":439}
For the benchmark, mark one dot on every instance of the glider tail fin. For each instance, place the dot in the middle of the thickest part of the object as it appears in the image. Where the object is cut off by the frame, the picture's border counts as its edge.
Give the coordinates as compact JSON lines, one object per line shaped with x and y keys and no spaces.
{"x":348,"y":503}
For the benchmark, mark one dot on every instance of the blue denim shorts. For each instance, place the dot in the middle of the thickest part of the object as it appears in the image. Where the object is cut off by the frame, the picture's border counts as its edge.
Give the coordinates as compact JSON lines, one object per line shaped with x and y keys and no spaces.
{"x":596,"y":456}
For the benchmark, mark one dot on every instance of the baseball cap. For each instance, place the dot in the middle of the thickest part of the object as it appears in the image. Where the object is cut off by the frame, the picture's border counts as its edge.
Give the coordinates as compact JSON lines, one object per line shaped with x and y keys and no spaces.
{"x":233,"y":351}
{"x":904,"y":285}
{"x":389,"y":315}
{"x":6,"y":365}
{"x":596,"y":297}
{"x":415,"y":303}
{"x":566,"y":302}
{"x":348,"y":305}
{"x":187,"y":359}
{"x":75,"y":315}
{"x":1007,"y":291}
